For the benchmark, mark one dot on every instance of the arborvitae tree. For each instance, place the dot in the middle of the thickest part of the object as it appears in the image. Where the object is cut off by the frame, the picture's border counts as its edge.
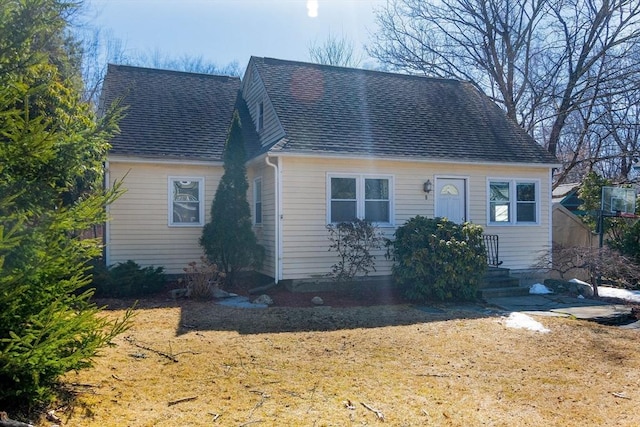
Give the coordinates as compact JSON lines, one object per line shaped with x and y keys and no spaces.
{"x":228,"y":239}
{"x":51,"y":153}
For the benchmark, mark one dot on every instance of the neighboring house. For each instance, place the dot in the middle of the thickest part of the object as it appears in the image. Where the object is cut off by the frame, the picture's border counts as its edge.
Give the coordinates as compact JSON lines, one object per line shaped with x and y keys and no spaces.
{"x":567,"y":195}
{"x":569,"y":230}
{"x":330,"y":144}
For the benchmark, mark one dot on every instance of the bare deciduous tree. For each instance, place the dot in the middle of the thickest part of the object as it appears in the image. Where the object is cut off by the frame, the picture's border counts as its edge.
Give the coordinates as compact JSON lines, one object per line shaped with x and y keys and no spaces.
{"x":551,"y":64}
{"x":100,"y":47}
{"x":592,"y":264}
{"x":188,"y":63}
{"x":334,"y":51}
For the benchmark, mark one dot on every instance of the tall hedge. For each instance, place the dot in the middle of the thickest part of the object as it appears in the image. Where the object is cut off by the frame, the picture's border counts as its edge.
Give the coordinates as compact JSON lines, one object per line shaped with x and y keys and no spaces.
{"x":438,"y":259}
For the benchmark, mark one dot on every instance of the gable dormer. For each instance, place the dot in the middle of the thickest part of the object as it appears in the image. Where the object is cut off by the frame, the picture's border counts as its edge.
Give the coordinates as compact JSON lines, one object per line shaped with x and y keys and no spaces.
{"x":263,"y":115}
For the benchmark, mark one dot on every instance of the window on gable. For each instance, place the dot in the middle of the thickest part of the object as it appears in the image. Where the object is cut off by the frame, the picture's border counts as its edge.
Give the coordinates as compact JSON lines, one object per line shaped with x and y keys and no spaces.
{"x":513,"y":202}
{"x":186,"y":201}
{"x":257,"y":201}
{"x":353,"y":197}
{"x":260,"y":116}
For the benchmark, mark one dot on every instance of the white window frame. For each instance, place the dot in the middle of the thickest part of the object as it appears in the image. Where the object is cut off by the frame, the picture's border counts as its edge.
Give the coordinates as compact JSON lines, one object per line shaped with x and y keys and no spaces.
{"x":360,"y":200}
{"x":170,"y":200}
{"x":257,"y":199}
{"x":513,"y":202}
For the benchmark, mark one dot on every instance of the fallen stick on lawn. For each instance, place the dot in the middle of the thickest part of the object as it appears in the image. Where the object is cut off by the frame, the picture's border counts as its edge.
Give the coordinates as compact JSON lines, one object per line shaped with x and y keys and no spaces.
{"x":248,"y":423}
{"x":263,"y":397}
{"x":379,"y":414}
{"x":184,"y":399}
{"x":158,"y":352}
{"x":621,"y":396}
{"x":434,"y":375}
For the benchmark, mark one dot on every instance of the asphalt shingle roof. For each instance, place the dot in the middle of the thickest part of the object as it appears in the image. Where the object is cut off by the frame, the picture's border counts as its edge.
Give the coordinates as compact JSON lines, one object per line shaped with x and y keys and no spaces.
{"x":171,"y":114}
{"x":334,"y":110}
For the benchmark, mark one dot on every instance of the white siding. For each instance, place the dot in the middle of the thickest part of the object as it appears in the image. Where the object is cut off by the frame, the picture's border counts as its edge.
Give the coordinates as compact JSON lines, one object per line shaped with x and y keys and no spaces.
{"x":139,"y":228}
{"x":305,"y":238}
{"x":253,"y":93}
{"x":265,"y":232}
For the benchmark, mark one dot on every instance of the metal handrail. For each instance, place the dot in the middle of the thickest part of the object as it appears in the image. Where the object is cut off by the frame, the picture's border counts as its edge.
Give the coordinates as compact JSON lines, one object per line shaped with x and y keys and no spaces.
{"x":491,"y":246}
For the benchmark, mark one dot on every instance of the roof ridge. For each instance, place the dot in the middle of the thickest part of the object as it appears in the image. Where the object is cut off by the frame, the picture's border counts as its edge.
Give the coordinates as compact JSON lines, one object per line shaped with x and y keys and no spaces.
{"x":275,"y":61}
{"x":167,"y":71}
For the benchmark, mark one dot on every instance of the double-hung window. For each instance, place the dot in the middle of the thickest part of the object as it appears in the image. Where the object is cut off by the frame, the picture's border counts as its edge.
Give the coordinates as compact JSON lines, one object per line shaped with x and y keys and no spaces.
{"x":186,"y":206}
{"x":359,"y":196}
{"x":513,"y":202}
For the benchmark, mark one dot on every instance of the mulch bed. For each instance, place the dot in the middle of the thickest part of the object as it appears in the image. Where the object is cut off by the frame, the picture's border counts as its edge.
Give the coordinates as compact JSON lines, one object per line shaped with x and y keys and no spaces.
{"x":357,"y":297}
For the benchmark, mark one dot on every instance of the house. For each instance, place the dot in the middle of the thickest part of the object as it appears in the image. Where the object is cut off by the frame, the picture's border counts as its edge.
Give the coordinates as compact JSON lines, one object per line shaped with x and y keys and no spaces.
{"x":326,"y":144}
{"x":568,"y":196}
{"x":568,"y":229}
{"x":169,"y":155}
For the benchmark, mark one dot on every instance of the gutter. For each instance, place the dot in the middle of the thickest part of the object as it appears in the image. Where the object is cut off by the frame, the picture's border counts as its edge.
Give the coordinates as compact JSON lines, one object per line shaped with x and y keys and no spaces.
{"x":365,"y":156}
{"x":277,"y":185}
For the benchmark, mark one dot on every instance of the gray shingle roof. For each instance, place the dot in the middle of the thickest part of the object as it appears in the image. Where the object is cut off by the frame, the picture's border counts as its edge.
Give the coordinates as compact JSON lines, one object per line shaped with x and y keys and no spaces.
{"x":173,"y":115}
{"x":335,"y":110}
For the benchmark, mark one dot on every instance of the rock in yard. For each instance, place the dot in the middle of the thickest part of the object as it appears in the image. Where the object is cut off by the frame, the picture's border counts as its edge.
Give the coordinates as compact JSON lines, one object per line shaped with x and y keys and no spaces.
{"x":219,"y":293}
{"x":180,"y":293}
{"x":317,"y":300}
{"x":584,"y":288}
{"x":263,"y":299}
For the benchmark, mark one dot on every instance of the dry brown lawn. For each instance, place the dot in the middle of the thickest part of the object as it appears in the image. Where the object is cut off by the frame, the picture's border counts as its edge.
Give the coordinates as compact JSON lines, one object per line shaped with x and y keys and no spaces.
{"x":196,"y":363}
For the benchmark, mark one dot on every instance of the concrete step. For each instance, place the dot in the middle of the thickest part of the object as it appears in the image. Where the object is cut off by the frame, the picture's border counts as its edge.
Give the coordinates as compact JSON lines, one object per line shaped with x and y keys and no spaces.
{"x":492,"y":272}
{"x":499,"y":282}
{"x":501,"y":292}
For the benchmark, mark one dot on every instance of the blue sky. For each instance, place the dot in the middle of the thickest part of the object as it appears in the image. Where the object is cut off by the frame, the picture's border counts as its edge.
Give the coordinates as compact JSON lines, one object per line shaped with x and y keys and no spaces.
{"x":222,"y":31}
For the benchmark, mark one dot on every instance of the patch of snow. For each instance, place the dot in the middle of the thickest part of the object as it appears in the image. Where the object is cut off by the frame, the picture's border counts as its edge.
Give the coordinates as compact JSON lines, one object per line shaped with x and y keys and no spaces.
{"x":539,"y":289}
{"x":580,"y":297}
{"x":522,"y":321}
{"x":626,"y":294}
{"x":580,"y":282}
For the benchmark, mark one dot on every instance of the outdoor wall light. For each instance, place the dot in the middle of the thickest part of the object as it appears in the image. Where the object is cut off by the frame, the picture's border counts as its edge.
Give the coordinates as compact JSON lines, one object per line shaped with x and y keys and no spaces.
{"x":427,"y":186}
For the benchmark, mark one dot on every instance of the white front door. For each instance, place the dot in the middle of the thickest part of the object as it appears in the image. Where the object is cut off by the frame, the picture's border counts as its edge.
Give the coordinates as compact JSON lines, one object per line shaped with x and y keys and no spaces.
{"x":451,"y":199}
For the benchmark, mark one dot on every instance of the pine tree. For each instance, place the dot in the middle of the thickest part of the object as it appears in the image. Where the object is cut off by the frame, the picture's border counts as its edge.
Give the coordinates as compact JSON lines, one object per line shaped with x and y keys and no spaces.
{"x":51,"y":153}
{"x":228,"y":239}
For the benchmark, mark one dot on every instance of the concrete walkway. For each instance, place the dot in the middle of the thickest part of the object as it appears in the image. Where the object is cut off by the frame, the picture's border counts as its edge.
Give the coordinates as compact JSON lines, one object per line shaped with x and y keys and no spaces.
{"x":558,"y":305}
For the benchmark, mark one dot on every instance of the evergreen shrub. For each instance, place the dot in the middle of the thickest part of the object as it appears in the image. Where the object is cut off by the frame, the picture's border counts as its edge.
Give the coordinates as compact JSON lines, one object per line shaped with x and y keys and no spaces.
{"x":128,"y":279}
{"x":228,"y":239}
{"x":438,"y":259}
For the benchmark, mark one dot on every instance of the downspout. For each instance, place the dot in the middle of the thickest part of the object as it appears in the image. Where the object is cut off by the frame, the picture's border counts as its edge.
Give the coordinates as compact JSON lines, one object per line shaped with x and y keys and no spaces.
{"x":276,"y":189}
{"x":106,"y":229}
{"x":550,"y":199}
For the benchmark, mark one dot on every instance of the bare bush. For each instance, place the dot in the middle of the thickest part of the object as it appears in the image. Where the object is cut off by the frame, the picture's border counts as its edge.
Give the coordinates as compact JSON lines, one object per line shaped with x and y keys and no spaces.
{"x":596,"y":265}
{"x":203,"y":278}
